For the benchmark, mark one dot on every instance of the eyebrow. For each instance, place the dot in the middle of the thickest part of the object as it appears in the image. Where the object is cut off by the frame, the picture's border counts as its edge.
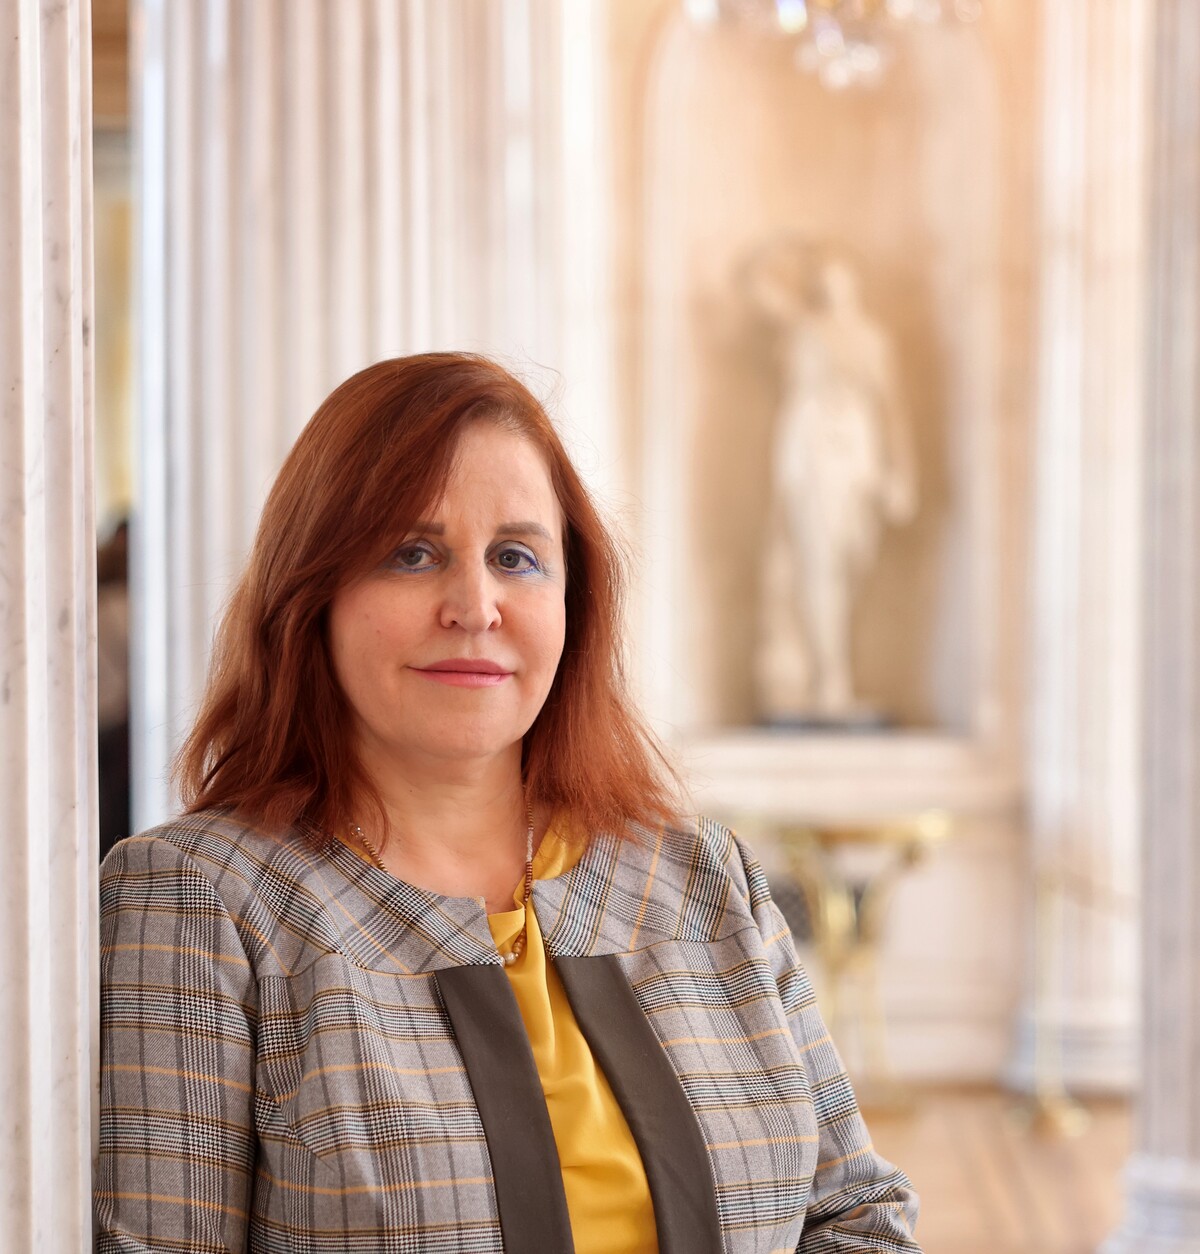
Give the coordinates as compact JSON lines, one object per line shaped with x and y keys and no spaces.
{"x":504,"y":529}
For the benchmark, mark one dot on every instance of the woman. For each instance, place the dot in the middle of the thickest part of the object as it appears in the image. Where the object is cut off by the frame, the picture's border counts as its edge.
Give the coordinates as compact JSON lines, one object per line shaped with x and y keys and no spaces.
{"x":330,"y":1021}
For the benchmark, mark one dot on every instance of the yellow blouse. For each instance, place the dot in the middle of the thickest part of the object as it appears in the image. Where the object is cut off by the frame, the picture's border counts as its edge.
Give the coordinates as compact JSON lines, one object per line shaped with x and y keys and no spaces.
{"x":608,"y":1198}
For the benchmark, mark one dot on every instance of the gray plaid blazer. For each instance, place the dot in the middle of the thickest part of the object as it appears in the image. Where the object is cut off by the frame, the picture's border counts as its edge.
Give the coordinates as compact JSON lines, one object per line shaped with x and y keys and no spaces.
{"x":301,"y":1053}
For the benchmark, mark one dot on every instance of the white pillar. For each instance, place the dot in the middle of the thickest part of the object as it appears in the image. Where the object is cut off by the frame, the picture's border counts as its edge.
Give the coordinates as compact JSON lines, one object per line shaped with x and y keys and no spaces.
{"x":47,"y":628}
{"x":1163,"y":1175}
{"x":1083,"y":711}
{"x":322,"y":185}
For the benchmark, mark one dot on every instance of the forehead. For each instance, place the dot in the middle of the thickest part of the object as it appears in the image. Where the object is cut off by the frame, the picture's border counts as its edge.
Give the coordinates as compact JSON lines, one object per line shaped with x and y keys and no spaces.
{"x":498,"y":470}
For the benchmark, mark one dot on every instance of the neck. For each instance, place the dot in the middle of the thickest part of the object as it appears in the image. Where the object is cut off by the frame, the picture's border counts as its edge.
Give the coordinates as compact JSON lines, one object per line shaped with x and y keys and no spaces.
{"x":460,"y":832}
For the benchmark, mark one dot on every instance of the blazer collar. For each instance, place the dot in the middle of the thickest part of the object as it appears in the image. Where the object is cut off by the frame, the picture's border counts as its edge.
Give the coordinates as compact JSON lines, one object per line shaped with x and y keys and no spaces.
{"x":622,"y":895}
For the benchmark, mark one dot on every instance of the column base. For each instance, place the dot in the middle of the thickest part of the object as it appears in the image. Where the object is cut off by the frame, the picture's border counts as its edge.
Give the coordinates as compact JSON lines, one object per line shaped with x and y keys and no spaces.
{"x":1162,"y":1208}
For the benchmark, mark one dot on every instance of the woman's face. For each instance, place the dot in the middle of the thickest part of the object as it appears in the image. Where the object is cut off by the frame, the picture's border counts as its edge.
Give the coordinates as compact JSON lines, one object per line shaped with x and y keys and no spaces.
{"x":446,"y":653}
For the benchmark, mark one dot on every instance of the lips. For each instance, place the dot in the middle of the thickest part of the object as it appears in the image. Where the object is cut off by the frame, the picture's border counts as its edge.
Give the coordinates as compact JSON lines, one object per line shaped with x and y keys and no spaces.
{"x":465,"y":672}
{"x":468,"y":665}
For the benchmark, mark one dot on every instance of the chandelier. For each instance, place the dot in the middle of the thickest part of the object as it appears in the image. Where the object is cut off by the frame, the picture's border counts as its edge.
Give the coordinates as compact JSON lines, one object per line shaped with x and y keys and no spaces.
{"x":840,"y":42}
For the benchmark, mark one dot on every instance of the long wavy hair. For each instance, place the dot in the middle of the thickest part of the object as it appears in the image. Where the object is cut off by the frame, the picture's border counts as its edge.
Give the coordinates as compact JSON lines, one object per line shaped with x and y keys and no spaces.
{"x":273,"y":740}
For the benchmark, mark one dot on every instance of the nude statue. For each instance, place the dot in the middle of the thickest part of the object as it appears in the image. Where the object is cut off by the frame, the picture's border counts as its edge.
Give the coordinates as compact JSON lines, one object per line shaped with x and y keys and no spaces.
{"x":843,"y":465}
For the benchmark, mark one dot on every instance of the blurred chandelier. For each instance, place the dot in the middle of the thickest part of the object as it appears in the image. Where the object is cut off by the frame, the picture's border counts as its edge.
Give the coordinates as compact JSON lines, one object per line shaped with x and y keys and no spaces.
{"x":841,"y":42}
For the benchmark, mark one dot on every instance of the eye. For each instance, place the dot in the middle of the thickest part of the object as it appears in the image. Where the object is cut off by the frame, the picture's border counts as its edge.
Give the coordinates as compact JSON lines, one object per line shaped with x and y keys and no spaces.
{"x":418,"y":556}
{"x":516,"y":559}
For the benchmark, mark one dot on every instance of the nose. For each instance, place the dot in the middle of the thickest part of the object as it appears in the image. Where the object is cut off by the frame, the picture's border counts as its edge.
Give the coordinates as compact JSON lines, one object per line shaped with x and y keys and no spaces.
{"x":471,"y":598}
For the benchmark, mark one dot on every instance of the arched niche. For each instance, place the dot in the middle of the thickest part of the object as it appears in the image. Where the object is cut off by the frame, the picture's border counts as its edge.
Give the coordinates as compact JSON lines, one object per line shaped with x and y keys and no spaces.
{"x":742,"y":147}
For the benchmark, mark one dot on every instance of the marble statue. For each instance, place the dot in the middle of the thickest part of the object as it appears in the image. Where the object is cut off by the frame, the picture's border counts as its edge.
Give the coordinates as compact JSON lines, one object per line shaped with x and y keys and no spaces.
{"x":842,"y":467}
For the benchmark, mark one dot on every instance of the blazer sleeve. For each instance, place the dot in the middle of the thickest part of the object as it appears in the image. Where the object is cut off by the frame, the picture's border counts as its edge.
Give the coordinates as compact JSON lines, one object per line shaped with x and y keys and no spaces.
{"x":860,"y":1203}
{"x":178,"y":1007}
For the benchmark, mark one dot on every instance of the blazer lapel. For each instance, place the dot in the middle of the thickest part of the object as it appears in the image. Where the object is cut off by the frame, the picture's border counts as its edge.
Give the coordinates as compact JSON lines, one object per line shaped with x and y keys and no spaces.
{"x":508,"y":1094}
{"x":656,"y":1108}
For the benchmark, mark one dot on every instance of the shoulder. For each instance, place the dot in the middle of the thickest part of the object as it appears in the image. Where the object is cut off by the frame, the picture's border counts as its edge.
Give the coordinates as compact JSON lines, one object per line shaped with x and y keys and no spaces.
{"x":271,"y":885}
{"x":711,"y":854}
{"x":691,"y":879}
{"x":235,"y":856}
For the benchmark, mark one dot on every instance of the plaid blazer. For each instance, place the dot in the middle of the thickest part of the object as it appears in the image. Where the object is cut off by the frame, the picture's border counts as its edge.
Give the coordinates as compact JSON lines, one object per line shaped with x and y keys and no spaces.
{"x":301,"y":1053}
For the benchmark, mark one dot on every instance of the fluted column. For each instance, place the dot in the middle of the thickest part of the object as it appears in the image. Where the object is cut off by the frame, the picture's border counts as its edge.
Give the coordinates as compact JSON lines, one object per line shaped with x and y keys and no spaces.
{"x":1163,"y":1176}
{"x":1084,"y":698}
{"x":323,"y":185}
{"x":47,"y":628}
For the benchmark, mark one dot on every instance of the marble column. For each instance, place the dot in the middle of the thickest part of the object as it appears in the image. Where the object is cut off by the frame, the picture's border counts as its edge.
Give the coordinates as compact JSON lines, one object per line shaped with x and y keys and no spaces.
{"x":1084,"y":694}
{"x":322,"y":185}
{"x":47,"y":628}
{"x":1163,"y":1175}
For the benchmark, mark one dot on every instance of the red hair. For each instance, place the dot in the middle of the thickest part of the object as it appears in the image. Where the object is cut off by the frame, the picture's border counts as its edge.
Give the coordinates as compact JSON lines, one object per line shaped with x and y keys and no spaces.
{"x":273,"y":739}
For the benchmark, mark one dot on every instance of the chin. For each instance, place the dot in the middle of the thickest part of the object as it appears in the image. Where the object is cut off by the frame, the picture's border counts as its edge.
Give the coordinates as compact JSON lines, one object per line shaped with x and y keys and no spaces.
{"x":470,"y":748}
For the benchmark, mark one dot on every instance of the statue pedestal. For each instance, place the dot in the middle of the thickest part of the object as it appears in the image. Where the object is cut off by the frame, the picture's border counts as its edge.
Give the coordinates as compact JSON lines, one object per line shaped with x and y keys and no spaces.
{"x":950,"y":959}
